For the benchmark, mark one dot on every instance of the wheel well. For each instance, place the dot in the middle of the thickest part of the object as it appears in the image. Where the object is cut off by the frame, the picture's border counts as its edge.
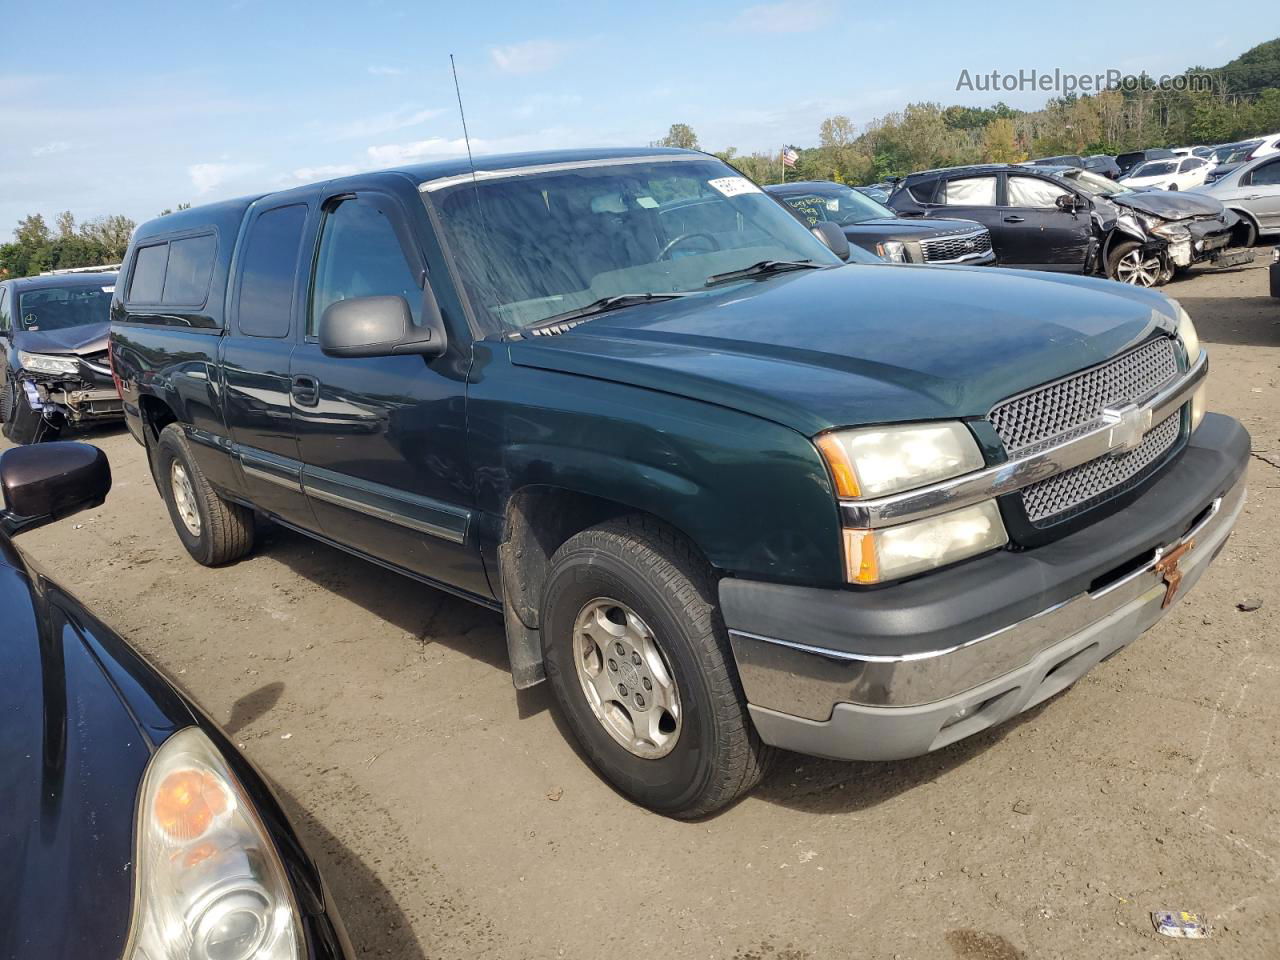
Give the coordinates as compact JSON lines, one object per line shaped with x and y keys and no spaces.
{"x":1245,"y":218}
{"x":156,"y":415}
{"x":538,"y":521}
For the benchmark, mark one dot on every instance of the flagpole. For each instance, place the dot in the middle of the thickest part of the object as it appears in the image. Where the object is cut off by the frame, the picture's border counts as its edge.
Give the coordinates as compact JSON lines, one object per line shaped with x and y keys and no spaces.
{"x":782,"y":156}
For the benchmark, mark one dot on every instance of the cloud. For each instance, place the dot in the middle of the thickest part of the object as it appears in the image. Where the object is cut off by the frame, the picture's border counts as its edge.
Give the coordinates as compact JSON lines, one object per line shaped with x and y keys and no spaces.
{"x":206,"y":177}
{"x":537,"y":102}
{"x":532,"y":56}
{"x":53,"y":146}
{"x":325,"y":171}
{"x":789,"y":16}
{"x":385,"y":71}
{"x":399,"y":119}
{"x":437,"y":148}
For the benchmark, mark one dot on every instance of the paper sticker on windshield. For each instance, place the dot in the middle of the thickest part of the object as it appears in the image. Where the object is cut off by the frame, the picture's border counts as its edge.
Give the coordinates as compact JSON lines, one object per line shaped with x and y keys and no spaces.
{"x":109,"y":289}
{"x":647,"y":202}
{"x":733,"y":186}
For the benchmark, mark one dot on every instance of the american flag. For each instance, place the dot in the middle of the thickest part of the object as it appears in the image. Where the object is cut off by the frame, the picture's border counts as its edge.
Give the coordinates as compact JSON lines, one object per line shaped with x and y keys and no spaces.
{"x":789,"y":156}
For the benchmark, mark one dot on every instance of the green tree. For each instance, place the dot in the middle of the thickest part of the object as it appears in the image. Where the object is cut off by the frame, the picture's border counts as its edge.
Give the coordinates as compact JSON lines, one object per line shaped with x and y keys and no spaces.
{"x":32,"y":231}
{"x":112,"y":233}
{"x":1000,"y":143}
{"x":680,"y":135}
{"x":66,"y":224}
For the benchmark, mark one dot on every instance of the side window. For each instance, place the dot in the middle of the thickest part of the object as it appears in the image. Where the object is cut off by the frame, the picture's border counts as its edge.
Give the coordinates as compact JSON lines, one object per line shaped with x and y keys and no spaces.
{"x":360,"y":256}
{"x":4,"y":309}
{"x":1267,"y":175}
{"x":268,"y":272}
{"x":186,"y":280}
{"x":923,"y":192}
{"x":1186,"y":166}
{"x":147,"y":282}
{"x":970,"y":192}
{"x":1033,"y":192}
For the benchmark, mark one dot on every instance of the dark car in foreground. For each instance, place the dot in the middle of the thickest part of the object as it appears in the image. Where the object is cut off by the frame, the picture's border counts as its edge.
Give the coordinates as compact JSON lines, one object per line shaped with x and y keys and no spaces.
{"x":54,"y":370}
{"x":133,"y":828}
{"x":879,"y":230}
{"x":1068,"y":220}
{"x":728,"y":491}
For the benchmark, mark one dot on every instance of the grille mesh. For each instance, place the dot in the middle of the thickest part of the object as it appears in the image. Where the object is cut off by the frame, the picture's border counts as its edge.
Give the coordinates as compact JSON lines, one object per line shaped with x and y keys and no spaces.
{"x":953,"y":248}
{"x":1076,"y":490}
{"x":1072,"y":403}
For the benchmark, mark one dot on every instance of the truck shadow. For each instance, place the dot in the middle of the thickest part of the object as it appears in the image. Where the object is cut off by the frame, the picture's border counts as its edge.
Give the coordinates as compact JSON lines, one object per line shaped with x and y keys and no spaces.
{"x":375,"y":923}
{"x":430,"y":615}
{"x":811,"y":785}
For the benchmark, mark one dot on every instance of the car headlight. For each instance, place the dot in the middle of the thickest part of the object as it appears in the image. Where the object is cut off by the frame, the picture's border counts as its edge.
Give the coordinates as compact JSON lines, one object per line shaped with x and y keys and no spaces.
{"x":876,"y":461}
{"x":43,"y":363}
{"x":1171,"y":231}
{"x":890,"y":553}
{"x":895,"y":251}
{"x":210,"y":884}
{"x":1191,"y":344}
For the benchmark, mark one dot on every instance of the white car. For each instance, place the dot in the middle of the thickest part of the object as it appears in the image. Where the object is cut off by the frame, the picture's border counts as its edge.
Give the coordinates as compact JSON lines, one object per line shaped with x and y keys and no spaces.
{"x":1177,"y":173}
{"x":1270,"y":144}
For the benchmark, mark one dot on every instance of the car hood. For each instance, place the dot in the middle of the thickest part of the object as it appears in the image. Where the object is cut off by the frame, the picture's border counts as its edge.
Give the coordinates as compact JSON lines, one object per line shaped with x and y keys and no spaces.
{"x":907,"y":228}
{"x":76,"y":731}
{"x":90,"y":338}
{"x":1170,"y":205}
{"x":862,"y":343}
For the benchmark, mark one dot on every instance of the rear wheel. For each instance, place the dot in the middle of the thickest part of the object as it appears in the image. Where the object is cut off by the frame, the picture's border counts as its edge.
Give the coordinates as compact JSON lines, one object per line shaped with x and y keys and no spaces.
{"x":640,"y":663}
{"x":1128,"y":264}
{"x":214,"y":531}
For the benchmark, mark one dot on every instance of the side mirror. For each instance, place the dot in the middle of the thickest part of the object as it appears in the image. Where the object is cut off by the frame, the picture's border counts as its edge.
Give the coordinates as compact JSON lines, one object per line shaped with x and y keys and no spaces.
{"x":833,"y":237}
{"x":48,"y":481}
{"x":381,"y":327}
{"x":1069,"y":203}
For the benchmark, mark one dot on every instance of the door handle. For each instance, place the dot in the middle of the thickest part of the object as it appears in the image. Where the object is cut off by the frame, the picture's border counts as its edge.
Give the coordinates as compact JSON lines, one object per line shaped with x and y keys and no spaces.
{"x":305,"y":391}
{"x":1014,"y":219}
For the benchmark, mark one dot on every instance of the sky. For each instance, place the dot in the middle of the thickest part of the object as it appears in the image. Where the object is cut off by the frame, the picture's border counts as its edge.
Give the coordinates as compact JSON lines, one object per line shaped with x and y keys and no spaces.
{"x":133,"y":107}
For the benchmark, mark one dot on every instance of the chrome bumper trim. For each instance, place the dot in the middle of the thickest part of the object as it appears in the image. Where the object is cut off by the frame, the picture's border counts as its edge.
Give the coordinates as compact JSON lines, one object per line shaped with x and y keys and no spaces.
{"x":1108,"y":433}
{"x":808,"y":681}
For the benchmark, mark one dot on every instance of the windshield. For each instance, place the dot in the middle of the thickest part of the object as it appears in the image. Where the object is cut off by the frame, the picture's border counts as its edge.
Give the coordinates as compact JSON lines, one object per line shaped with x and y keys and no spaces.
{"x":58,"y":308}
{"x":535,"y":245}
{"x":1226,"y":153}
{"x":1091,"y":182}
{"x":1154,"y":168}
{"x":836,"y":204}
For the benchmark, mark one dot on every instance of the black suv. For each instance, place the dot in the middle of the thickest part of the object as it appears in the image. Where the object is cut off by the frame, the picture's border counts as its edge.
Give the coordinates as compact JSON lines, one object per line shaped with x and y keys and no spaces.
{"x":876,"y":228}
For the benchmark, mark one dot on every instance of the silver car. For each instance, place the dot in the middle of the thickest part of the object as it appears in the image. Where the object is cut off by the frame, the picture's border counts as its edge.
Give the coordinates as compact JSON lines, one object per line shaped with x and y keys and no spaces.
{"x":1252,"y":190}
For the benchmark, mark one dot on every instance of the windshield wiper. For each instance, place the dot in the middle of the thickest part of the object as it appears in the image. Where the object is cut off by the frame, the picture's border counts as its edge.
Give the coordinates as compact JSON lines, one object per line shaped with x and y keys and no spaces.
{"x":560,"y":322}
{"x":761,"y":269}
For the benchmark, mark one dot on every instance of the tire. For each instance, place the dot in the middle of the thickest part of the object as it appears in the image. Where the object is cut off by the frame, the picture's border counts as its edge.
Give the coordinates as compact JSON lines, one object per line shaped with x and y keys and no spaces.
{"x":6,"y":402}
{"x":1124,"y":268}
{"x":711,"y":754}
{"x":214,"y":531}
{"x":1248,"y":232}
{"x":22,"y":424}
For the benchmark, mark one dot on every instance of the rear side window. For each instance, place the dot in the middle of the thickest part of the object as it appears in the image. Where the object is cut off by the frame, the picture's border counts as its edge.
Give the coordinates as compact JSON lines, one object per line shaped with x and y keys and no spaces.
{"x":186,"y":281}
{"x":970,"y":192}
{"x":268,"y":271}
{"x":1267,"y":175}
{"x":923,"y":191}
{"x":147,"y":283}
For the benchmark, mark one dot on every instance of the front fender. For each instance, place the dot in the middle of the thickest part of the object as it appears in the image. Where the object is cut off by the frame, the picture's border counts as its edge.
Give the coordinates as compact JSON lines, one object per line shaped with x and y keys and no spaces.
{"x":753,"y":495}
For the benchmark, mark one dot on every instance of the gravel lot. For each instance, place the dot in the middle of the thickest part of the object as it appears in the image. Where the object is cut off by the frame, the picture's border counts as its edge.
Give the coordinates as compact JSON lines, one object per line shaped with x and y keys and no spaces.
{"x":454,"y":819}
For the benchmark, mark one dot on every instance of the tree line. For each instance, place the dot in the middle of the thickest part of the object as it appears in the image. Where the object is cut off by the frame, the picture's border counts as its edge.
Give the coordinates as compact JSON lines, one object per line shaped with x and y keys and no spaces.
{"x":37,"y":248}
{"x":1241,"y":100}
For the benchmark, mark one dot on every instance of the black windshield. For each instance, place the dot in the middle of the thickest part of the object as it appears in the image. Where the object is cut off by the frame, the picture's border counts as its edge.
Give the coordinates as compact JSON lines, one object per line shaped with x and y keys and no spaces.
{"x":59,"y":308}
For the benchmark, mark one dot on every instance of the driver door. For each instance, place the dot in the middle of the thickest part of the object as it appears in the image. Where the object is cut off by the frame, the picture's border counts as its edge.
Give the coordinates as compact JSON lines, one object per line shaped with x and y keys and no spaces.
{"x":1050,"y":238}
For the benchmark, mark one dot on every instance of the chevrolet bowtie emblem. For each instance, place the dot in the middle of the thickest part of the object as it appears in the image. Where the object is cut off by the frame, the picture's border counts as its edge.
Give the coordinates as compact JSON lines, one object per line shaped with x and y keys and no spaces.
{"x":1128,"y":426}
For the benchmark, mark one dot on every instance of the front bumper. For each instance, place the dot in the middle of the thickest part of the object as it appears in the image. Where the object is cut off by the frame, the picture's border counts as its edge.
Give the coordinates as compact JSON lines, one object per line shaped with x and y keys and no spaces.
{"x":910,"y":668}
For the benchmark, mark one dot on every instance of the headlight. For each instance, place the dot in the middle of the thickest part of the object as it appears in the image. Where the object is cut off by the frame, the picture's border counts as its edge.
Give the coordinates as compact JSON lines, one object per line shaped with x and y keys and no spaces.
{"x":875,"y":461}
{"x":1171,"y":231}
{"x":890,"y":553}
{"x":210,"y":885}
{"x":1191,"y":344}
{"x":895,"y":251}
{"x":43,"y":363}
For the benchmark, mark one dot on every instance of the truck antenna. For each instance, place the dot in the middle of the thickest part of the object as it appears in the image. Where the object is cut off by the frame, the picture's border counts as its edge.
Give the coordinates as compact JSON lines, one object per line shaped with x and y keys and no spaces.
{"x":466,"y":137}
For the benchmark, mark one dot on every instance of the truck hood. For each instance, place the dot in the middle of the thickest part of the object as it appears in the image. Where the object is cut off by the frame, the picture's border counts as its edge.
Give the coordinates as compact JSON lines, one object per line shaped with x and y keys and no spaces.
{"x":1170,"y":205}
{"x":861,"y":343}
{"x":90,"y":338}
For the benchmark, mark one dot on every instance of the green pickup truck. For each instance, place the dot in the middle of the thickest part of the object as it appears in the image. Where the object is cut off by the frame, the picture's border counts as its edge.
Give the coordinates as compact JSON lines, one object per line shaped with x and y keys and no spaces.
{"x":732,"y":485}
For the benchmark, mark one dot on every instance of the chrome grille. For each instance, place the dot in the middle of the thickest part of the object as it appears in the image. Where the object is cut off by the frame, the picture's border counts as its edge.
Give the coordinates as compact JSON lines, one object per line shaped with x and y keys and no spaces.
{"x":942,"y":249}
{"x":1080,"y":399}
{"x":1076,"y":490}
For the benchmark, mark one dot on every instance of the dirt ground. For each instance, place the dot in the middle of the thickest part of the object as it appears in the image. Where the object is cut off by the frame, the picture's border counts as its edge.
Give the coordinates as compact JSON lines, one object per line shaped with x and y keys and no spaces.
{"x":453,"y":818}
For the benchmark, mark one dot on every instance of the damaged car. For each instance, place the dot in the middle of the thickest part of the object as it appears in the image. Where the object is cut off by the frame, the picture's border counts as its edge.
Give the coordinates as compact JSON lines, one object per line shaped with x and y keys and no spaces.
{"x":53,"y":341}
{"x":1069,"y":220}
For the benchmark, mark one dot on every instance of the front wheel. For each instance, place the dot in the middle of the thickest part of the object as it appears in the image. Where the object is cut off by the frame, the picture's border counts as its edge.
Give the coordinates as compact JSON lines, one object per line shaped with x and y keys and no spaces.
{"x":214,"y":531}
{"x":23,"y":424}
{"x":640,"y":664}
{"x":1128,"y":264}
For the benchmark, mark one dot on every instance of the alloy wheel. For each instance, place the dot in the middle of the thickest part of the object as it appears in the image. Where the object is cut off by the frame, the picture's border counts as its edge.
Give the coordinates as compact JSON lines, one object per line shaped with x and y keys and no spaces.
{"x":184,"y":498}
{"x":1139,"y":270}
